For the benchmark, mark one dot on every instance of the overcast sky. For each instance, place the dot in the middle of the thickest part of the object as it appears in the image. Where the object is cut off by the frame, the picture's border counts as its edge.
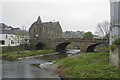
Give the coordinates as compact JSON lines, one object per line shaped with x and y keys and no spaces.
{"x":76,"y":15}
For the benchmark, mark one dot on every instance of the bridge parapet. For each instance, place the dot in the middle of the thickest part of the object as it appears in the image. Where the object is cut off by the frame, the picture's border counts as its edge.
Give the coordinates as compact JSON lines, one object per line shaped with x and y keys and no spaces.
{"x":80,"y":40}
{"x":74,"y":40}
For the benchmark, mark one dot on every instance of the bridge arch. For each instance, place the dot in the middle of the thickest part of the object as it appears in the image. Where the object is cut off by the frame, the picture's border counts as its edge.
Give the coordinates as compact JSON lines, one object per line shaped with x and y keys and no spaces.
{"x":39,"y":46}
{"x":62,"y":46}
{"x":92,"y":47}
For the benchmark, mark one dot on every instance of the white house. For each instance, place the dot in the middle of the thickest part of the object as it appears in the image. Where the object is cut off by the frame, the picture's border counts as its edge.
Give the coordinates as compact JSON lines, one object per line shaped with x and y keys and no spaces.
{"x":8,"y":37}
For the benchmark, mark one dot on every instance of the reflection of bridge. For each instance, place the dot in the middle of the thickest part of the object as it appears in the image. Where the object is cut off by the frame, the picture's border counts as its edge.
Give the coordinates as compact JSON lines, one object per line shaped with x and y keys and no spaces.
{"x":86,"y":45}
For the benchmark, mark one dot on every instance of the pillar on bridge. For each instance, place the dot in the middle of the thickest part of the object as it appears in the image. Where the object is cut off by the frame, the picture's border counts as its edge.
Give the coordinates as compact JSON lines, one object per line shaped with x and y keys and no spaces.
{"x":115,"y":31}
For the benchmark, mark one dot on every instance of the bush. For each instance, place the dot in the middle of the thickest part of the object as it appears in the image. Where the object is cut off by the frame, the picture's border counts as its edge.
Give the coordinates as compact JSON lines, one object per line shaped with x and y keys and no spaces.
{"x":112,"y":47}
{"x":116,"y":41}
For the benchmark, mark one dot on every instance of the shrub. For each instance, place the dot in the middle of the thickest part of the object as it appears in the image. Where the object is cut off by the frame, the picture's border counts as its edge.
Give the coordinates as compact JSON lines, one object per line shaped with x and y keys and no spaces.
{"x":112,"y":47}
{"x":116,"y":41}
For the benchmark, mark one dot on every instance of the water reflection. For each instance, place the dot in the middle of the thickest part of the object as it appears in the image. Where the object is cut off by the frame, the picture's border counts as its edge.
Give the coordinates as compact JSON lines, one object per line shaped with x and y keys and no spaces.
{"x":24,"y":69}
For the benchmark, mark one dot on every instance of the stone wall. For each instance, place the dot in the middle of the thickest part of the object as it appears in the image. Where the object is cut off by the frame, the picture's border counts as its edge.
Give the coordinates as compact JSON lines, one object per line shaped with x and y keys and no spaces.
{"x":115,"y":56}
{"x":45,"y":30}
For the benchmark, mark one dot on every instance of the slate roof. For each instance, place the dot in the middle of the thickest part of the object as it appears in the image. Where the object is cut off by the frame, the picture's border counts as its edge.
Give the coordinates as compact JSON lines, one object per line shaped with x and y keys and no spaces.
{"x":16,"y":29}
{"x":47,"y":24}
{"x":54,"y":24}
{"x":6,"y":29}
{"x":7,"y":32}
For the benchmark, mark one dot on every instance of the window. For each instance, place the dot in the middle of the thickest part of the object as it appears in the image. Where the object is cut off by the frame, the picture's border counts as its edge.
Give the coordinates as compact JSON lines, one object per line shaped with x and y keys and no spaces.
{"x":6,"y":36}
{"x":34,"y":31}
{"x":12,"y":42}
{"x":18,"y":41}
{"x":2,"y":42}
{"x":43,"y":28}
{"x":18,"y":37}
{"x":48,"y":32}
{"x":52,"y":35}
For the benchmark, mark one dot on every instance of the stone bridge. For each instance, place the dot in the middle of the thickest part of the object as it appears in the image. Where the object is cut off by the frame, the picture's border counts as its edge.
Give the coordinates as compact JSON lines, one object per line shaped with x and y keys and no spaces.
{"x":60,"y":44}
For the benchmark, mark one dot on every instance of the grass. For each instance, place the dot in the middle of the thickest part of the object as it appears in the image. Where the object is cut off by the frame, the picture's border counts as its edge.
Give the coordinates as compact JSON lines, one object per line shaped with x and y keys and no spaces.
{"x":93,"y":65}
{"x":14,"y":55}
{"x":103,"y":48}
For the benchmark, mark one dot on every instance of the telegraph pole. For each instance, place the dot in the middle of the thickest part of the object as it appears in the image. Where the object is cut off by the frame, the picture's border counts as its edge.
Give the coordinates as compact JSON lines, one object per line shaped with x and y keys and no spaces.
{"x":115,"y":31}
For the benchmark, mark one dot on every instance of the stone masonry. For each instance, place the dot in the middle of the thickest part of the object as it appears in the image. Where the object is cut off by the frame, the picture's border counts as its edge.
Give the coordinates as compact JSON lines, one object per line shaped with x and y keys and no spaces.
{"x":44,"y":30}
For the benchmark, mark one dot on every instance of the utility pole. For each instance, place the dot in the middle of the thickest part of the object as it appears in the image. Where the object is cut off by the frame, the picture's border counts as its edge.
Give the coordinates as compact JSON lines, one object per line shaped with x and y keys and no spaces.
{"x":115,"y":31}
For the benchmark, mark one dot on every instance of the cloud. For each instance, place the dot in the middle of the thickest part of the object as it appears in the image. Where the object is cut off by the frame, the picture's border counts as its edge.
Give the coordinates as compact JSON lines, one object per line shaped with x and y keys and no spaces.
{"x":72,"y":14}
{"x":0,"y":12}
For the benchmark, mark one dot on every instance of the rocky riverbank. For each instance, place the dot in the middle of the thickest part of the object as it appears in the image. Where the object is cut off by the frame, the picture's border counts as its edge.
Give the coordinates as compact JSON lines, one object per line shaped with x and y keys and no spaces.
{"x":56,"y":68}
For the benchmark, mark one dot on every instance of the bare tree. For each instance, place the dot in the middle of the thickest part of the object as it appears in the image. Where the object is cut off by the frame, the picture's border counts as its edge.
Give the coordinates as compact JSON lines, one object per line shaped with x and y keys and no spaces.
{"x":24,"y":30}
{"x":102,"y":29}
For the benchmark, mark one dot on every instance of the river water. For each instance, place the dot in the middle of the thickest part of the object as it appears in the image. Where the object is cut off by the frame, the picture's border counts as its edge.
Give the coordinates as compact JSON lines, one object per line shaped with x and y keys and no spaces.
{"x":30,"y":67}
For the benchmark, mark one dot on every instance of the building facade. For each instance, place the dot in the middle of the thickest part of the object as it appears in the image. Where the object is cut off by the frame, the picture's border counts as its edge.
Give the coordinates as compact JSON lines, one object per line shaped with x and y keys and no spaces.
{"x":45,"y":30}
{"x":9,"y":36}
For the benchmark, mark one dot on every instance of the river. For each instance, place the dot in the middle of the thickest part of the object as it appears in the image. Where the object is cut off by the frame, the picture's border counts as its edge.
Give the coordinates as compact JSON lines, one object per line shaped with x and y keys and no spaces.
{"x":30,"y":67}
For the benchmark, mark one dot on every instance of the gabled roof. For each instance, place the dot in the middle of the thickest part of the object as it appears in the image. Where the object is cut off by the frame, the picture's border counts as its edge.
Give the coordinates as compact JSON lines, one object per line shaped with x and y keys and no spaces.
{"x":54,"y":24}
{"x":2,"y":25}
{"x":16,"y":29}
{"x":7,"y":32}
{"x":39,"y":23}
{"x":46,"y":24}
{"x":7,"y":29}
{"x":39,"y":19}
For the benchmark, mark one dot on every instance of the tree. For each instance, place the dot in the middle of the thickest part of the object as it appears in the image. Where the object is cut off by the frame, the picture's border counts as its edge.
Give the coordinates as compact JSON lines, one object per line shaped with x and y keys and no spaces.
{"x":102,"y":29}
{"x":88,"y":35}
{"x":73,"y":34}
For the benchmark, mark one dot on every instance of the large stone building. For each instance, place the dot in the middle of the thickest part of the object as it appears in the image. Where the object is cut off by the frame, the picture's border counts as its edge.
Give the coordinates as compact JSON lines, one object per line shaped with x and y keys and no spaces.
{"x":45,"y":30}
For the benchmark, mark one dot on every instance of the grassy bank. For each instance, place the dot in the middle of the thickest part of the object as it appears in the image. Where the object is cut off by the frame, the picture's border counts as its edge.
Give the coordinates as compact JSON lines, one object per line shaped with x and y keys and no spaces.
{"x":93,"y":65}
{"x":15,"y":55}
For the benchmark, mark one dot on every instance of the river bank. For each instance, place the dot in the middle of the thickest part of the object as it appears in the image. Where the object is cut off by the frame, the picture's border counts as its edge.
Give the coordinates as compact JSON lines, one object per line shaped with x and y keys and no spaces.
{"x":78,"y":65}
{"x":33,"y":66}
{"x":92,"y":65}
{"x":55,"y":66}
{"x":10,"y":56}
